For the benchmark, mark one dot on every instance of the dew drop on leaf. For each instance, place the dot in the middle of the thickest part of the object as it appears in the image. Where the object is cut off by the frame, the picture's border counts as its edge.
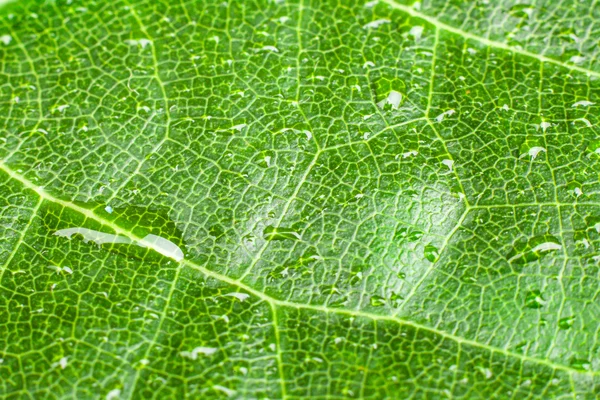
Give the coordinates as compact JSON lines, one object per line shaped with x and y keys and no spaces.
{"x":389,"y":93}
{"x":521,"y":10}
{"x":534,"y":299}
{"x":531,"y":148}
{"x":329,"y":289}
{"x":575,"y":189}
{"x":151,"y":234}
{"x":339,"y":303}
{"x":356,"y":274}
{"x":486,"y":372}
{"x":408,"y":234}
{"x":593,"y":222}
{"x":431,"y":253}
{"x":566,"y":323}
{"x":533,"y":249}
{"x":580,"y":364}
{"x":581,"y":239}
{"x":396,"y":298}
{"x":377,"y":301}
{"x":593,"y":147}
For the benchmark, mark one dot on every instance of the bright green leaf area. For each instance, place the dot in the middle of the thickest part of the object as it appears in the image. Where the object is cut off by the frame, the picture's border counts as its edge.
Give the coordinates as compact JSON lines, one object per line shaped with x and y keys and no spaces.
{"x":293,"y":199}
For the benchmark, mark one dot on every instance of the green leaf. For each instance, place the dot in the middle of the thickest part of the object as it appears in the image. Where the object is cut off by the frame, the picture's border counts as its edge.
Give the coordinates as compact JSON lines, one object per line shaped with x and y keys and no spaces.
{"x":299,"y":199}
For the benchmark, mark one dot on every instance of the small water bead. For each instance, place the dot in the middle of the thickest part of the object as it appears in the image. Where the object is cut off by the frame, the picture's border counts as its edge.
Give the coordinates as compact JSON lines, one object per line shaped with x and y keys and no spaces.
{"x":532,"y":147}
{"x":356,"y":274}
{"x":377,"y":301}
{"x":395,"y":299}
{"x":431,"y":253}
{"x":593,"y":222}
{"x":575,"y":188}
{"x":408,"y":234}
{"x":193,"y":354}
{"x":389,"y":93}
{"x":533,"y":249}
{"x":593,"y":147}
{"x":523,"y":11}
{"x":581,"y":364}
{"x":566,"y":322}
{"x":329,"y":289}
{"x":534,"y":299}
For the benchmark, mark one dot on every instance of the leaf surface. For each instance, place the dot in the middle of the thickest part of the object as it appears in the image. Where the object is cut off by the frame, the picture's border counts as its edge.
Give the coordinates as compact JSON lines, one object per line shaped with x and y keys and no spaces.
{"x":299,"y":199}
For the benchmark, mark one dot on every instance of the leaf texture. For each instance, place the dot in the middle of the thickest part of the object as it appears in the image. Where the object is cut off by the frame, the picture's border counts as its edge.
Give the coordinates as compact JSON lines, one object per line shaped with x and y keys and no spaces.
{"x":299,"y":199}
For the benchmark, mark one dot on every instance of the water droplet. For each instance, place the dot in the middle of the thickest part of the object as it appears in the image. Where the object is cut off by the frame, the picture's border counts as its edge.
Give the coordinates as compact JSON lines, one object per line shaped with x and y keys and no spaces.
{"x":431,"y":253}
{"x":140,"y":42}
{"x":396,"y":298}
{"x":113,"y":394}
{"x":60,"y":269}
{"x":567,"y":34}
{"x":63,"y":362}
{"x":277,"y":273}
{"x":279,"y":233}
{"x":160,"y":245}
{"x":449,"y":164}
{"x":486,"y":372}
{"x":575,"y":189}
{"x":581,"y":239}
{"x":593,"y":147}
{"x":329,"y":289}
{"x":445,"y":114}
{"x":401,"y":275}
{"x":309,"y":256}
{"x":577,"y":59}
{"x":532,"y":147}
{"x":228,"y":392}
{"x":416,"y":32}
{"x":533,"y":249}
{"x":341,"y":302}
{"x":193,"y":355}
{"x":356,"y":274}
{"x":519,"y":346}
{"x":299,"y":265}
{"x":90,"y":235}
{"x":521,"y":11}
{"x":408,"y":234}
{"x":376,"y":24}
{"x":389,"y":93}
{"x":581,"y":364}
{"x":567,"y":322}
{"x":583,"y":103}
{"x":377,"y":301}
{"x":593,"y":222}
{"x":534,"y":299}
{"x":159,"y":235}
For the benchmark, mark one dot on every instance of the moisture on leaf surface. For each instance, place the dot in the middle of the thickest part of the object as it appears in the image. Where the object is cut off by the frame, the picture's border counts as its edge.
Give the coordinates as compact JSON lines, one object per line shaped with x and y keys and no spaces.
{"x":298,"y":199}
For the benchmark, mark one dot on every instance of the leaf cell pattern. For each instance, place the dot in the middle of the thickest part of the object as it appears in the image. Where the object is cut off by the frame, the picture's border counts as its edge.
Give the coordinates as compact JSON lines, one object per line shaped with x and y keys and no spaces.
{"x":380,"y":199}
